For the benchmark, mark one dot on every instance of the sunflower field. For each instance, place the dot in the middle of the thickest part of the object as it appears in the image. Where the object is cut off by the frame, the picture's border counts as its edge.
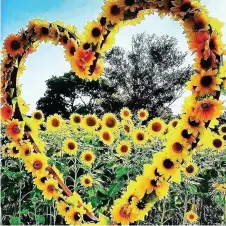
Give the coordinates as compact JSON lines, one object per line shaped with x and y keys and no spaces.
{"x":115,"y":168}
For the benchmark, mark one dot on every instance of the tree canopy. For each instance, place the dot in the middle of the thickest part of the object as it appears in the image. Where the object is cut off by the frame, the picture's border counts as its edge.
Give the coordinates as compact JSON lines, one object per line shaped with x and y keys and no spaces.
{"x":152,"y":76}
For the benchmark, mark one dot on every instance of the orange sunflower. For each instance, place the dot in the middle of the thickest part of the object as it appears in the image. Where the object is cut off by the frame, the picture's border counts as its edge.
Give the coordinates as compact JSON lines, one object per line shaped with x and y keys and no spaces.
{"x":6,"y":112}
{"x":70,"y":49}
{"x":13,"y":45}
{"x":14,"y":130}
{"x":207,"y":109}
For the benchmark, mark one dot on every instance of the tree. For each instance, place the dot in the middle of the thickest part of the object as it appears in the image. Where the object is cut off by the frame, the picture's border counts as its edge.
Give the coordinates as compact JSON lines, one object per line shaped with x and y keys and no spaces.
{"x":151,"y":76}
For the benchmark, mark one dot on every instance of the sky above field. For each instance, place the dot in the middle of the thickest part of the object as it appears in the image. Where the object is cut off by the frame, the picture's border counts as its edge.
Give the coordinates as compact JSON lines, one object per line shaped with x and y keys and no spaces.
{"x":49,"y":60}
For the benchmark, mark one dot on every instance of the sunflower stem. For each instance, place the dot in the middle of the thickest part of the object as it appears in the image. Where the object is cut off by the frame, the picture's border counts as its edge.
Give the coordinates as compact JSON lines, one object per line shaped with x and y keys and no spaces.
{"x":163,"y":212}
{"x":185,"y":205}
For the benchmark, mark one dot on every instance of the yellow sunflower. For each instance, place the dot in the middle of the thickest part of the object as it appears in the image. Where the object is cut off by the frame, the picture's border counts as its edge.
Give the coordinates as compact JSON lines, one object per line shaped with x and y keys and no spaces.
{"x":26,"y":149}
{"x":62,"y":208}
{"x":87,"y":157}
{"x":217,"y":143}
{"x":167,"y":167}
{"x":127,"y":126}
{"x":125,"y":113}
{"x":75,"y":119}
{"x":86,"y":181}
{"x":93,"y":32}
{"x":151,"y":171}
{"x":74,"y":215}
{"x":113,"y":10}
{"x":70,"y":146}
{"x":5,"y":149}
{"x":109,"y":121}
{"x":156,"y":127}
{"x":173,"y":123}
{"x":123,"y":148}
{"x":36,"y":164}
{"x":123,"y":213}
{"x":106,"y":136}
{"x":42,"y":30}
{"x":140,"y":136}
{"x":40,"y":181}
{"x":90,"y":122}
{"x":54,"y":122}
{"x":38,"y":117}
{"x":191,"y":216}
{"x":190,"y":169}
{"x":13,"y":45}
{"x":222,"y":129}
{"x":70,"y":49}
{"x":143,"y":114}
{"x":15,"y":130}
{"x":14,"y":150}
{"x":50,"y":189}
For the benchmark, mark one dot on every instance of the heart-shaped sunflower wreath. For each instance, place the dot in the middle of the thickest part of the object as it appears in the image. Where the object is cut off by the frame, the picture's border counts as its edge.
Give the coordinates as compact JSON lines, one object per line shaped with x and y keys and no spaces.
{"x":85,"y":52}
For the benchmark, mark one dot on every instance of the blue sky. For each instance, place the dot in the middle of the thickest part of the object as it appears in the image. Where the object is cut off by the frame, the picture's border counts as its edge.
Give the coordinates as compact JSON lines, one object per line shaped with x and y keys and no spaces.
{"x":49,"y":60}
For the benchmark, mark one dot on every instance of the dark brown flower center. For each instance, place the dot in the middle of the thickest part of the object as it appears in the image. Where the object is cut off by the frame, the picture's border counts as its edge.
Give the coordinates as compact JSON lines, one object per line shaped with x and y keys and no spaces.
{"x":206,"y":81}
{"x":174,"y":124}
{"x":212,"y":44}
{"x":223,"y":129}
{"x":126,"y":113}
{"x":87,"y":181}
{"x":51,"y":188}
{"x":154,"y":183}
{"x":44,"y":31}
{"x":88,"y":157}
{"x":193,"y":123}
{"x":65,"y":39}
{"x":72,"y":50}
{"x":37,"y":115}
{"x":185,"y":134}
{"x":206,"y":64}
{"x":77,"y":216}
{"x":110,"y":122}
{"x":206,"y":106}
{"x":191,"y":216}
{"x":224,"y":137}
{"x":156,"y":173}
{"x":167,"y":163}
{"x":15,"y":45}
{"x":156,"y":127}
{"x":96,"y":32}
{"x":91,"y":121}
{"x":217,"y":143}
{"x":140,"y":136}
{"x":123,"y":213}
{"x":106,"y":136}
{"x":55,"y":122}
{"x":198,"y":26}
{"x":37,"y":165}
{"x":142,"y":114}
{"x":190,"y":169}
{"x":43,"y":179}
{"x":177,"y":147}
{"x":124,"y":148}
{"x":16,"y":129}
{"x":126,"y":128}
{"x":15,"y":150}
{"x":27,"y":152}
{"x":77,"y":119}
{"x":103,"y":21}
{"x":185,"y":7}
{"x":86,"y":46}
{"x":141,"y":205}
{"x":115,"y":10}
{"x":71,"y":145}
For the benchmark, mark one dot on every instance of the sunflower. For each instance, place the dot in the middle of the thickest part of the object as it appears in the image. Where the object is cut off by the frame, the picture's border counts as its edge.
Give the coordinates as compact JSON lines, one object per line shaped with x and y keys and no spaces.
{"x":38,"y":117}
{"x":70,"y":146}
{"x":125,"y":113}
{"x":167,"y":167}
{"x":191,"y":216}
{"x":42,"y":30}
{"x":207,"y":109}
{"x":26,"y":149}
{"x":40,"y":181}
{"x":6,"y":149}
{"x":205,"y":83}
{"x":123,"y":213}
{"x":143,"y":114}
{"x":64,"y":38}
{"x":109,"y":121}
{"x":113,"y":10}
{"x":14,"y":130}
{"x":54,"y":122}
{"x":94,"y":32}
{"x":62,"y":207}
{"x":217,"y":143}
{"x":80,"y":69}
{"x":50,"y":189}
{"x":123,"y":148}
{"x":106,"y":136}
{"x":222,"y":129}
{"x":156,"y":127}
{"x":36,"y":164}
{"x":14,"y":150}
{"x":87,"y":157}
{"x":127,"y":126}
{"x":74,"y":216}
{"x":70,"y":49}
{"x":86,"y":181}
{"x":90,"y":122}
{"x":161,"y":188}
{"x":139,"y":136}
{"x":6,"y":113}
{"x":151,"y":171}
{"x":177,"y":148}
{"x":75,"y":120}
{"x":54,"y":34}
{"x":141,"y":208}
{"x":190,"y":169}
{"x":205,"y":63}
{"x":13,"y":45}
{"x":74,"y":199}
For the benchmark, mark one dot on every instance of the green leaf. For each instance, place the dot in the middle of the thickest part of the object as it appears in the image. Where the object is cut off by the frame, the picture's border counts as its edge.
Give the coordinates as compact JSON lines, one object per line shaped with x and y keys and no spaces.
{"x":14,"y":220}
{"x":114,"y":189}
{"x":10,"y":173}
{"x":192,"y":189}
{"x":121,"y":171}
{"x":40,"y":219}
{"x":24,"y":211}
{"x":220,"y":200}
